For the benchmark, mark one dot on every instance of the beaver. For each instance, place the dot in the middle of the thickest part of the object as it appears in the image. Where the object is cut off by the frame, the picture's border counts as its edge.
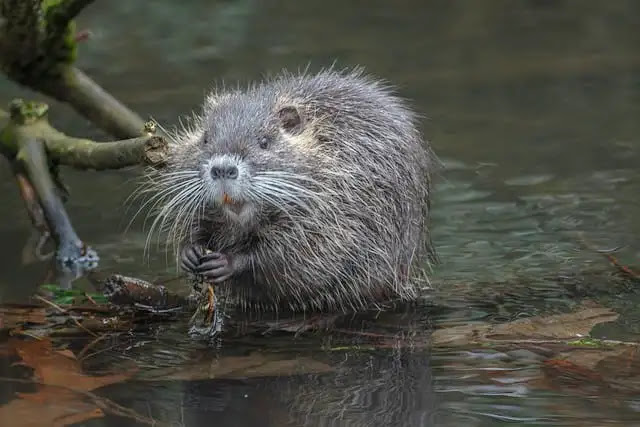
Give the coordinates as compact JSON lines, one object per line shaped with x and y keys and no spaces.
{"x":305,"y":191}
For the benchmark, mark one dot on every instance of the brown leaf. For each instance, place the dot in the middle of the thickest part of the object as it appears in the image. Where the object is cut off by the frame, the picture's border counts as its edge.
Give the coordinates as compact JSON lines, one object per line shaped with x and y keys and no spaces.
{"x":559,"y":327}
{"x":51,"y":406}
{"x":611,"y":367}
{"x":59,"y":399}
{"x":55,"y":367}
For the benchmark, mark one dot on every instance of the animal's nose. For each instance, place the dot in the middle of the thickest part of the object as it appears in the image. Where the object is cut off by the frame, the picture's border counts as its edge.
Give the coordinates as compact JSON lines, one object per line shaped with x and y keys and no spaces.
{"x":224,"y":172}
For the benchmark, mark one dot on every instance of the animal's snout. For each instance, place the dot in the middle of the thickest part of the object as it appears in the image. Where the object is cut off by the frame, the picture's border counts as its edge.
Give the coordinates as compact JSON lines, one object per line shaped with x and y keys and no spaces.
{"x":224,"y":172}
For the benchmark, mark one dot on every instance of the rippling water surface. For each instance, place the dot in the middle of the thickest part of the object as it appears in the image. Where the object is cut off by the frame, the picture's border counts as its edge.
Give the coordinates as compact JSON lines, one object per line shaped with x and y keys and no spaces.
{"x":533,"y":107}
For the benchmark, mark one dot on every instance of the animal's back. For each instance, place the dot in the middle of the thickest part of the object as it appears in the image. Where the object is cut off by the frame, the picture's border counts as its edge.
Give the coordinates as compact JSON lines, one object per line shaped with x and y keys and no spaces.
{"x":374,"y":161}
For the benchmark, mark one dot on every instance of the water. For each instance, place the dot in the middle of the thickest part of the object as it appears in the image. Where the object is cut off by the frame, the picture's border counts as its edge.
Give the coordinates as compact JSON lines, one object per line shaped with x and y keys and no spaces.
{"x":532,"y":107}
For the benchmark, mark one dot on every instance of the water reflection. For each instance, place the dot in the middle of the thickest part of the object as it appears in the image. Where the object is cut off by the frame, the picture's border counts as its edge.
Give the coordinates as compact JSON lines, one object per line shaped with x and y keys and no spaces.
{"x":365,"y":390}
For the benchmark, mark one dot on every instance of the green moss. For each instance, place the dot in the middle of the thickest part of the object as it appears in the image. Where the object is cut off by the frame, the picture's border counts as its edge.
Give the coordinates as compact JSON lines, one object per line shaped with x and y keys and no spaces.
{"x":27,"y":112}
{"x":70,"y":44}
{"x":61,"y":296}
{"x":47,"y":4}
{"x":588,"y":342}
{"x":62,"y":33}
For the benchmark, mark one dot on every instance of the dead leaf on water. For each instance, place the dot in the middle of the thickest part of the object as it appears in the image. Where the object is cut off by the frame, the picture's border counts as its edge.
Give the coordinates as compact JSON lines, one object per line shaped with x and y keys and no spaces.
{"x":615,"y":368}
{"x":60,"y":367}
{"x":57,"y":409}
{"x":60,"y":398}
{"x":558,"y":327}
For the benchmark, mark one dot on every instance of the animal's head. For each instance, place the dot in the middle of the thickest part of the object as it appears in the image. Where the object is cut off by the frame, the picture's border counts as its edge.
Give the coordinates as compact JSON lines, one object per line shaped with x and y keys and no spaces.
{"x":248,"y":156}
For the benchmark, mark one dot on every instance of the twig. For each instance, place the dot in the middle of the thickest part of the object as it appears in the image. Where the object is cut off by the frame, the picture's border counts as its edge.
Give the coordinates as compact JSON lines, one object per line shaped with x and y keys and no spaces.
{"x":29,"y":142}
{"x":89,"y":346}
{"x":63,"y":311}
{"x":95,"y":353}
{"x":607,"y":253}
{"x":623,"y":268}
{"x":51,"y":303}
{"x":91,"y":300}
{"x":33,"y":159}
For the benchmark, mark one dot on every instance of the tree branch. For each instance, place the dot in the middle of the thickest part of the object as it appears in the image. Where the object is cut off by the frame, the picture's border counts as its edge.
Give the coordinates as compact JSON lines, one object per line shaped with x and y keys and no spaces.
{"x":95,"y":104}
{"x":72,"y":254}
{"x":35,"y":148}
{"x":38,"y":49}
{"x":78,"y":153}
{"x":87,"y":154}
{"x":33,"y":159}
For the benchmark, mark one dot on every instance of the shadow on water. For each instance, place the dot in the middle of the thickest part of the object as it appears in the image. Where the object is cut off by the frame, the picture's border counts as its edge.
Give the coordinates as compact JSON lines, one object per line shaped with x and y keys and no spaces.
{"x":532,"y":107}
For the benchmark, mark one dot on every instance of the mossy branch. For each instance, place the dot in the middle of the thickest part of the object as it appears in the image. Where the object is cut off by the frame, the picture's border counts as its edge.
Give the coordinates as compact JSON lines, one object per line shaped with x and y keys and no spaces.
{"x":38,"y":48}
{"x":29,"y":121}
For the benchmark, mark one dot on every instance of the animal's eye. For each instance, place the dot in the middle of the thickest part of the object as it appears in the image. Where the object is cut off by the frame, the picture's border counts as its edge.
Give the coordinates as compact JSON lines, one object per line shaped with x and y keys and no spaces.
{"x":264,"y":142}
{"x":205,"y":138}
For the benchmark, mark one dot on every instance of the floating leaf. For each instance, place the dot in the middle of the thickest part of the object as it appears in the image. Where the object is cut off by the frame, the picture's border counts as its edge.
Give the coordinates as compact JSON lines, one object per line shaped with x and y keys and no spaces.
{"x":61,"y":397}
{"x":560,"y":327}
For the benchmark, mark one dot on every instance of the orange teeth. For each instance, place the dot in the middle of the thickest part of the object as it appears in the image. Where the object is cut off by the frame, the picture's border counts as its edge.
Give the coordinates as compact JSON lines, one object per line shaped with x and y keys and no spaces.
{"x":227,"y":199}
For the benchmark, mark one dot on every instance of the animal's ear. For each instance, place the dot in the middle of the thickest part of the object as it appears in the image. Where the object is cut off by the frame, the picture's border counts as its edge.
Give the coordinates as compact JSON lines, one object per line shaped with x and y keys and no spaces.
{"x":290,"y":119}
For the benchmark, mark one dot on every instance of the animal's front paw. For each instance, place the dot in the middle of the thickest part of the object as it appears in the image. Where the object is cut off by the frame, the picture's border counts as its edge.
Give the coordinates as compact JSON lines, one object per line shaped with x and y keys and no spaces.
{"x":215,"y":266}
{"x":190,"y":257}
